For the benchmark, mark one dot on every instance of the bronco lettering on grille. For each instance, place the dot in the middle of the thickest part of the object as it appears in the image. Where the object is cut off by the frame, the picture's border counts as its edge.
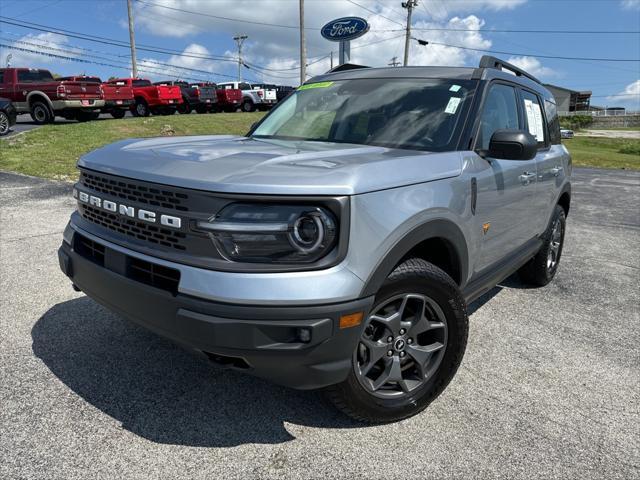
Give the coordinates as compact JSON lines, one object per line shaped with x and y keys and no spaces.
{"x":127,"y":211}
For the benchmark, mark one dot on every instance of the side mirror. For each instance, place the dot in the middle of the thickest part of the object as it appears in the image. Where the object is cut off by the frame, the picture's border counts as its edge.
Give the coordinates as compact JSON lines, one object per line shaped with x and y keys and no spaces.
{"x":512,"y":145}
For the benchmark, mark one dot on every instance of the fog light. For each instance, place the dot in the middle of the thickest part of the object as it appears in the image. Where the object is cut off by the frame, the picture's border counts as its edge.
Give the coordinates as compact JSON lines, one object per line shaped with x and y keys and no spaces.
{"x":304,"y":335}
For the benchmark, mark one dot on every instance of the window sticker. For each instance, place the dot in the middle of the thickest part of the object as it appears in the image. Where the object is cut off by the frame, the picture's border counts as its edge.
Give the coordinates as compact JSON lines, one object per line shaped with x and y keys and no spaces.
{"x":452,"y":106}
{"x":315,"y":85}
{"x":455,"y":88}
{"x":534,"y":120}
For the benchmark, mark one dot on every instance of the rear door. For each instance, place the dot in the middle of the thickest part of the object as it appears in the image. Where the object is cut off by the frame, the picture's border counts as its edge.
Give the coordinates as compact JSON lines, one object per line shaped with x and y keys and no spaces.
{"x":506,"y":189}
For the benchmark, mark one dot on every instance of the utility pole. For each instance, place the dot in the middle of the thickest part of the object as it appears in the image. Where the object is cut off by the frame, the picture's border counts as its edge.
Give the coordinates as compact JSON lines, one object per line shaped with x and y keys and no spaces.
{"x":409,"y":5}
{"x":132,"y":41}
{"x":303,"y":48}
{"x":394,"y":62}
{"x":239,"y":41}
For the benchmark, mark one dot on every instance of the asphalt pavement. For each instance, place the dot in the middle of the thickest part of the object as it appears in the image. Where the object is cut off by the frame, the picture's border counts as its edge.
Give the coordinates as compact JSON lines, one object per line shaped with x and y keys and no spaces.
{"x":549,"y":386}
{"x":25,"y":123}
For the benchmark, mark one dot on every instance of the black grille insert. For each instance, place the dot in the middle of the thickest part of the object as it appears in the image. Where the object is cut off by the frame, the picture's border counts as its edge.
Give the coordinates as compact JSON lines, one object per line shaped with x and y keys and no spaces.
{"x":89,"y":249}
{"x":133,"y":228}
{"x":127,"y":189}
{"x":153,"y":275}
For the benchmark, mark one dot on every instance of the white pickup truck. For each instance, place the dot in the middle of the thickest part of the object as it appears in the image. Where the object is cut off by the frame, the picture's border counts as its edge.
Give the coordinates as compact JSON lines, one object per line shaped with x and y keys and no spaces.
{"x":253,"y":96}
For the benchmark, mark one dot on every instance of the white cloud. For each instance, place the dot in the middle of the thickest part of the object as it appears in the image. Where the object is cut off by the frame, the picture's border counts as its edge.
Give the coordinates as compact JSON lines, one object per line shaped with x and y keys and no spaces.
{"x":533,"y":66}
{"x":47,"y":43}
{"x":631,"y":4}
{"x":629,"y":97}
{"x":276,"y":49}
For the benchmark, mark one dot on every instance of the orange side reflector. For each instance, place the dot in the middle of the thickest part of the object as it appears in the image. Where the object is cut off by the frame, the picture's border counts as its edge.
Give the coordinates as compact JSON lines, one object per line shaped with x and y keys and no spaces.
{"x":351,"y":320}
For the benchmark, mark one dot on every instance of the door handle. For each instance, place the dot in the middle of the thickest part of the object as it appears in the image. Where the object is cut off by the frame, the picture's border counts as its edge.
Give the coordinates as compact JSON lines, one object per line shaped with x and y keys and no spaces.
{"x":526,"y":178}
{"x":556,"y":171}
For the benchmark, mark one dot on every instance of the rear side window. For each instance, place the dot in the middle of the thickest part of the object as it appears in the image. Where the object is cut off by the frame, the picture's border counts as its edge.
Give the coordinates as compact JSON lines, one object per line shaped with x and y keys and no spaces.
{"x":553,"y":122}
{"x":534,"y":117}
{"x":500,"y":112}
{"x":28,"y":76}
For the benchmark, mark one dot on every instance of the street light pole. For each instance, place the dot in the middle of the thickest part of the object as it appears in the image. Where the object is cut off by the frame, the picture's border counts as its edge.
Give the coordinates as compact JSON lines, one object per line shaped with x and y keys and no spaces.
{"x":132,"y":41}
{"x":409,"y":5}
{"x":303,"y":48}
{"x":239,"y":41}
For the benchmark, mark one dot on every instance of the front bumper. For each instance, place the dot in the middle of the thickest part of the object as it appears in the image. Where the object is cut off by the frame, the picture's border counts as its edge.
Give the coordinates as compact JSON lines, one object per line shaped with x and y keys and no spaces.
{"x":298,"y":346}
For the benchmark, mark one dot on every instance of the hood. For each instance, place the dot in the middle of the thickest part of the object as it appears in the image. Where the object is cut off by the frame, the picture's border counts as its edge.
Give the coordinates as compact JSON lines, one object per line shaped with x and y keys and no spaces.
{"x":228,"y":164}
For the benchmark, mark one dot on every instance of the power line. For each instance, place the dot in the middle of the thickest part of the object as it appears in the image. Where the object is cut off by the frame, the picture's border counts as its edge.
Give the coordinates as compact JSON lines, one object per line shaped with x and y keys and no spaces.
{"x":499,"y":30}
{"x":375,"y":13}
{"x":555,"y":57}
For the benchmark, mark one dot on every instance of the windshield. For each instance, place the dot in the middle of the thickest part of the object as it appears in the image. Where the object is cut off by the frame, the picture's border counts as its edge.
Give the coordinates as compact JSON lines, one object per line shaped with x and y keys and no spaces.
{"x":421,"y":114}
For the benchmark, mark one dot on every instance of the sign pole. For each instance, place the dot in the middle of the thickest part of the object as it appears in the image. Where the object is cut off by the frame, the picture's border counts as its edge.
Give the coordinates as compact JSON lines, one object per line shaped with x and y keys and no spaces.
{"x":345,"y":52}
{"x":343,"y":30}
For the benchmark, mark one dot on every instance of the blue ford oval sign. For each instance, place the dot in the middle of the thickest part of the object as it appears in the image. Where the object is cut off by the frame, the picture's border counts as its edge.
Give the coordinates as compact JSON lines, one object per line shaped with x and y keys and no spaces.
{"x":346,"y":28}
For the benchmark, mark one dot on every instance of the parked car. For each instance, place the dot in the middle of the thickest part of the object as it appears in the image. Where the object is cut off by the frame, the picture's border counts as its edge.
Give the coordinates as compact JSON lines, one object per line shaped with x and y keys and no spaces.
{"x":194,"y":97}
{"x":252,"y":97}
{"x":8,"y":116}
{"x":149,"y":98}
{"x":282,"y":91}
{"x":338,"y":243}
{"x":35,"y":91}
{"x":118,"y":97}
{"x":566,"y":133}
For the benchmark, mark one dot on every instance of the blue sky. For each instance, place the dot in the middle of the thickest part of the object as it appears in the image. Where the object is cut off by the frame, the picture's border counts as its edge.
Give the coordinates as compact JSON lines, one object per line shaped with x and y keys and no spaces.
{"x":273,"y":51}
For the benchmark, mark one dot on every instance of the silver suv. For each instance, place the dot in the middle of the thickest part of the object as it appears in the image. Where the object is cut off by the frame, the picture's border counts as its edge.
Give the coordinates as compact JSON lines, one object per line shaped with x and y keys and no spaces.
{"x":339,"y":242}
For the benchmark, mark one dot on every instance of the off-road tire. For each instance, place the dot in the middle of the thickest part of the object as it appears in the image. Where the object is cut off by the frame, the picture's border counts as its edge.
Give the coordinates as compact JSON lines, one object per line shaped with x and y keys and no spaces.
{"x":41,"y":113}
{"x":538,"y":271}
{"x":118,"y":113}
{"x":140,"y":109}
{"x":414,"y":275}
{"x":201,"y":109}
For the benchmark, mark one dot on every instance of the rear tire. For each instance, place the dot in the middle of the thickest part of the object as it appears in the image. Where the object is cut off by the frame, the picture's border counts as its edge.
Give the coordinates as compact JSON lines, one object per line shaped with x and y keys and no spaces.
{"x":41,"y":113}
{"x":118,"y":113}
{"x":541,"y":269}
{"x":397,"y":374}
{"x":201,"y":109}
{"x":248,"y":106}
{"x":140,"y":109}
{"x":184,"y":107}
{"x":4,"y":124}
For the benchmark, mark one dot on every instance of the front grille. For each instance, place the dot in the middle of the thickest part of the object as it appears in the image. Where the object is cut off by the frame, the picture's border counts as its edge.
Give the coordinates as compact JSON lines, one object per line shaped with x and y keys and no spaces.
{"x":128,"y":189}
{"x":135,"y":229}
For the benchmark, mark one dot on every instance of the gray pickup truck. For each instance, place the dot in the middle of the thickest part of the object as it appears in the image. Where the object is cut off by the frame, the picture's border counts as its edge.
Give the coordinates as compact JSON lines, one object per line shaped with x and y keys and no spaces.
{"x":338,"y":244}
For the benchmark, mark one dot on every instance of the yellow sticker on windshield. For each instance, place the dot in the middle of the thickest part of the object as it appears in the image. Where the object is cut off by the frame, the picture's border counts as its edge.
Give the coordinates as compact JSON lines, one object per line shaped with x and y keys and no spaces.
{"x":309,"y":86}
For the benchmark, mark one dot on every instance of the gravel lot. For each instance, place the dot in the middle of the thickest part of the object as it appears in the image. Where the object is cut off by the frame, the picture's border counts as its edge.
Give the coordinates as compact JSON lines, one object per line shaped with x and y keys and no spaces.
{"x":549,"y":387}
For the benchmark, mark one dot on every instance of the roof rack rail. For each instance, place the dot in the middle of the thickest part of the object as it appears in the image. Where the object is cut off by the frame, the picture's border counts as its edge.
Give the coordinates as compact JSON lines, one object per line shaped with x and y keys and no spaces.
{"x":346,"y":66}
{"x":487,"y":61}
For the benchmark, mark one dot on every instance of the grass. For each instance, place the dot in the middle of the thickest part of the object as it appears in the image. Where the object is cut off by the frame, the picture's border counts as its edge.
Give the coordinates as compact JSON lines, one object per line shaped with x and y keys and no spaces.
{"x":53,"y":150}
{"x":604,"y":152}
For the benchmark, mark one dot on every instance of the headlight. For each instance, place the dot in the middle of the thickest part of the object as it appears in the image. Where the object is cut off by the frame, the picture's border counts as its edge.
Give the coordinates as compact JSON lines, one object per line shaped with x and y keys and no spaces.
{"x":272,"y":233}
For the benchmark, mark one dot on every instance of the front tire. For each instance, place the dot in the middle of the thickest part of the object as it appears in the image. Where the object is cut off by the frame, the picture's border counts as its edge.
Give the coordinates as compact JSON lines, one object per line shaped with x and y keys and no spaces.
{"x":40,"y":113}
{"x":541,"y":269}
{"x":411,"y":346}
{"x":118,"y":113}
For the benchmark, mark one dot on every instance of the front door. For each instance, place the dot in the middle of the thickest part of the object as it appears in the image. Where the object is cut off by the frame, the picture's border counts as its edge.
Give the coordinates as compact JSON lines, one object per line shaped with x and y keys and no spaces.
{"x":506,"y":189}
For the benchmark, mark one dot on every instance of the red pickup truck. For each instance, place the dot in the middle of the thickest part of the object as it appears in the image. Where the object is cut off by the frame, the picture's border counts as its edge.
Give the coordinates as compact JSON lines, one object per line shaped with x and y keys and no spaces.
{"x":229,"y":99}
{"x":35,"y":91}
{"x":149,"y":98}
{"x":118,"y":97}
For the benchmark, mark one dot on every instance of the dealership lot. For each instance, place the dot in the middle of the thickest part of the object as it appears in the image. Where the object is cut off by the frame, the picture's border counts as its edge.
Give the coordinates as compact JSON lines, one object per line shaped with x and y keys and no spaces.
{"x":549,"y":387}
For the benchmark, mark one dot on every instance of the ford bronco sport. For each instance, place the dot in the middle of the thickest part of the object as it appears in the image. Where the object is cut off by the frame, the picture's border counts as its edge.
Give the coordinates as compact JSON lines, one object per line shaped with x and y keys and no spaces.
{"x":337,"y":244}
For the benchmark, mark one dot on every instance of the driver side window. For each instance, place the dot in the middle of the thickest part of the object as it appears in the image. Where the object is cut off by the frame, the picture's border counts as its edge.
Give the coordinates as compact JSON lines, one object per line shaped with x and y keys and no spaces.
{"x":500,"y":112}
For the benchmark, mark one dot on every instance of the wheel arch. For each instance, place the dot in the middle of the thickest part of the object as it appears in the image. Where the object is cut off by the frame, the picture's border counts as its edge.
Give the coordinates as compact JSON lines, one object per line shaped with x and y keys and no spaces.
{"x":440,"y":242}
{"x":39,"y":95}
{"x":565,"y":198}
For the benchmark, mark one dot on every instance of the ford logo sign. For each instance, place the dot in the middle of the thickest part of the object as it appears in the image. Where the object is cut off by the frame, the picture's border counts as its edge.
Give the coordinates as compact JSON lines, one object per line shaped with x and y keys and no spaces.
{"x":346,"y":28}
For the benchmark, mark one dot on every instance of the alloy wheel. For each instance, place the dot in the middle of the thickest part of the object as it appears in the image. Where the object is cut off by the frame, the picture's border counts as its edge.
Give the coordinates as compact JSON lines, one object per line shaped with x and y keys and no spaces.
{"x":4,"y":123}
{"x":402,"y":345}
{"x":556,"y":241}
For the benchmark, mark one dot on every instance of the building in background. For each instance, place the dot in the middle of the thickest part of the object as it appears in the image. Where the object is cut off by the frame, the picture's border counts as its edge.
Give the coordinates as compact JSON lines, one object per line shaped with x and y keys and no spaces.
{"x":570,"y":100}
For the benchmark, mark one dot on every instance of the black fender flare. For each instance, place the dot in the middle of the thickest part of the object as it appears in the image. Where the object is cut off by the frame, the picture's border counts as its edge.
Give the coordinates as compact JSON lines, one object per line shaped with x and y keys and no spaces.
{"x":438,"y":228}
